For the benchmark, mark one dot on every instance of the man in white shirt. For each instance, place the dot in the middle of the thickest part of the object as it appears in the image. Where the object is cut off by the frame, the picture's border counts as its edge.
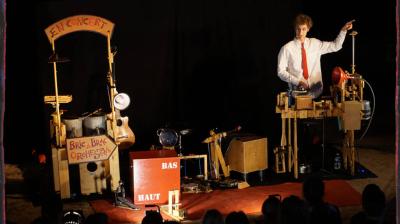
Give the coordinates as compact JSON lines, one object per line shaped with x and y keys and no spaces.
{"x":299,"y":60}
{"x":299,"y":65}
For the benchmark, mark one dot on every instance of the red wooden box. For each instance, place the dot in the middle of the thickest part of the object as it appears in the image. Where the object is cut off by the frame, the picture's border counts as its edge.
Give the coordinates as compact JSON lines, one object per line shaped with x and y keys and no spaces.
{"x":154,"y":173}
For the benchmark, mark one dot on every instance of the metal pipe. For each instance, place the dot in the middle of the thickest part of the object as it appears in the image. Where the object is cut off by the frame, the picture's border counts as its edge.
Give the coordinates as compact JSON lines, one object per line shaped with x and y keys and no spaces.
{"x":353,"y":65}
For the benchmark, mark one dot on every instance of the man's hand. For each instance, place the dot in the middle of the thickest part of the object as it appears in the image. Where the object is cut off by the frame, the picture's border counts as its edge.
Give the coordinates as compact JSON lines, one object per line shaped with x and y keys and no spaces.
{"x":303,"y":85}
{"x":348,"y":25}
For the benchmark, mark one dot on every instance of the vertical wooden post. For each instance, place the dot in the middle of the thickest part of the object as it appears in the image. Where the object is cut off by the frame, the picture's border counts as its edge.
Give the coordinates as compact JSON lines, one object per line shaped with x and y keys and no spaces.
{"x":296,"y":167}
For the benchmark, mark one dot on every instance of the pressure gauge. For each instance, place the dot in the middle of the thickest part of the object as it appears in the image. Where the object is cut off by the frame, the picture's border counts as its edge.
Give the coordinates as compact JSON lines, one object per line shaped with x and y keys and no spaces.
{"x":121,"y":101}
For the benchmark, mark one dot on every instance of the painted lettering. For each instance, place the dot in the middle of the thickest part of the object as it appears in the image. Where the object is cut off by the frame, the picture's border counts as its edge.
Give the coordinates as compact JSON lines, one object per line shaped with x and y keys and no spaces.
{"x":170,"y":165}
{"x":79,"y":23}
{"x":149,"y":197}
{"x":98,"y":142}
{"x":77,"y":145}
{"x":60,"y":27}
{"x":93,"y":154}
{"x":53,"y":32}
{"x":89,"y":149}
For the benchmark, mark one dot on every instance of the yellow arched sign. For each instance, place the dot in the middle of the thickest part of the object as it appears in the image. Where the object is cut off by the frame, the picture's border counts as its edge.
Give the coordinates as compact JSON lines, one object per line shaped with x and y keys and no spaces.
{"x":79,"y":23}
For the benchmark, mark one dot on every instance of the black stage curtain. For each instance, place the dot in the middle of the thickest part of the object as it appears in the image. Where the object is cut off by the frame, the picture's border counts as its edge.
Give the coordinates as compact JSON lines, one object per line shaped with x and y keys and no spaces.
{"x":397,"y":102}
{"x":2,"y":92}
{"x":199,"y":64}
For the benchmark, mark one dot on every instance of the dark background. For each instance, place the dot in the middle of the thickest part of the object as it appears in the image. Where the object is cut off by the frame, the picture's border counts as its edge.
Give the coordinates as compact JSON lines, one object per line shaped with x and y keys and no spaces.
{"x":197,"y":64}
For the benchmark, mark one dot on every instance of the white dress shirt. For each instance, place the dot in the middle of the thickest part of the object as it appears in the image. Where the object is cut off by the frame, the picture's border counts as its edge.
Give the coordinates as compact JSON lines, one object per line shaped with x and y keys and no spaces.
{"x":290,"y":63}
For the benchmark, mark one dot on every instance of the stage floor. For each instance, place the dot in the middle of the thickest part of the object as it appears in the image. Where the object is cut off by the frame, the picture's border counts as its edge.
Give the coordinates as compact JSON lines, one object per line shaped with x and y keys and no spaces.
{"x":381,"y":162}
{"x":249,"y":200}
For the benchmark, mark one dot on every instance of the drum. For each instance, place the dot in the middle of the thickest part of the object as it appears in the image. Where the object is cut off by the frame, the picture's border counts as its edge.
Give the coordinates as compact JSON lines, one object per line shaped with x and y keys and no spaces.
{"x":167,"y":137}
{"x":73,"y":126}
{"x":95,"y":125}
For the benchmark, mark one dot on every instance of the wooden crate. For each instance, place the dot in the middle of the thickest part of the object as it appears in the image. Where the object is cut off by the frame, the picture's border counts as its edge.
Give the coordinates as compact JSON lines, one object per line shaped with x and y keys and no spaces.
{"x":247,"y":154}
{"x":304,"y":103}
{"x":352,"y":115}
{"x":90,"y":182}
{"x":154,"y":173}
{"x":93,"y":181}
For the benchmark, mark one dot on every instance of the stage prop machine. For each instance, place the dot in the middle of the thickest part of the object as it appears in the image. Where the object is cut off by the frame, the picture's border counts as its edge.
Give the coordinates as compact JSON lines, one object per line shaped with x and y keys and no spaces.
{"x":346,"y":102}
{"x":97,"y":152}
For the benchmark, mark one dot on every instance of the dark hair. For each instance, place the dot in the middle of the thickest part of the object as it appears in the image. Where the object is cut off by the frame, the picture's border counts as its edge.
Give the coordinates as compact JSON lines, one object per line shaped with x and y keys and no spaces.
{"x":213,"y":216}
{"x":302,"y":19}
{"x":293,"y":210}
{"x":271,"y":209}
{"x":236,"y":218}
{"x":373,"y":200}
{"x":152,"y":217}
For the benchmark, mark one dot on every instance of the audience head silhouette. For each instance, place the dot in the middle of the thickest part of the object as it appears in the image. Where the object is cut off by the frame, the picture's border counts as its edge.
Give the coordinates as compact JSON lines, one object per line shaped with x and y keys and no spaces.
{"x":373,"y":205}
{"x":152,"y":217}
{"x":236,"y":218}
{"x":293,"y":210}
{"x":373,"y":200}
{"x":271,"y":209}
{"x":318,"y":211}
{"x":213,"y":216}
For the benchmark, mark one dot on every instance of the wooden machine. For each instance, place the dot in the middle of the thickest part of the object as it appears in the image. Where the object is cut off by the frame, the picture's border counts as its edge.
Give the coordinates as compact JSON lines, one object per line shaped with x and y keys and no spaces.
{"x":346,"y":102}
{"x":217,"y":158}
{"x":97,"y":153}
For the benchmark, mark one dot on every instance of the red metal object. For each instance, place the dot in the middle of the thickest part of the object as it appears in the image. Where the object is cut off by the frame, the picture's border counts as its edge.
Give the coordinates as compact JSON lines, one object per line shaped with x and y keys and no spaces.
{"x":338,"y":76}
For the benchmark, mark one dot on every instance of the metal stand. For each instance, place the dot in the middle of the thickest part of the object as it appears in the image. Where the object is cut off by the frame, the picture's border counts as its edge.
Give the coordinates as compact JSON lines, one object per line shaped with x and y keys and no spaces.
{"x":120,"y":199}
{"x":180,"y":144}
{"x":180,"y":134}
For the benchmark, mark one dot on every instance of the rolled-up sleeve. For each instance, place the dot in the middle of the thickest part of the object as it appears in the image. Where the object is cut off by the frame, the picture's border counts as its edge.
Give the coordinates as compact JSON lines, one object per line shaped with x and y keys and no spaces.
{"x":283,"y":68}
{"x":333,"y":46}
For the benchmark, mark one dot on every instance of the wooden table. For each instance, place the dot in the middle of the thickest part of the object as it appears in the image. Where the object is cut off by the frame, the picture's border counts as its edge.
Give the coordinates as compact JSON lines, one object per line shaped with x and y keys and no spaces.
{"x":317,"y":110}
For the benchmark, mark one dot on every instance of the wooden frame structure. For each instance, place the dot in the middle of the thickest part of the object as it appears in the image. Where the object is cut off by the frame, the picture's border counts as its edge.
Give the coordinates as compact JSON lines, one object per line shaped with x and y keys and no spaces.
{"x":111,"y":172}
{"x":349,"y":111}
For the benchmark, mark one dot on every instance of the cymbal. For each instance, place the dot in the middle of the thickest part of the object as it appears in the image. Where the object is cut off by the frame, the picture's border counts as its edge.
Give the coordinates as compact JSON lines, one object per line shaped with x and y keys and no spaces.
{"x":57,"y":59}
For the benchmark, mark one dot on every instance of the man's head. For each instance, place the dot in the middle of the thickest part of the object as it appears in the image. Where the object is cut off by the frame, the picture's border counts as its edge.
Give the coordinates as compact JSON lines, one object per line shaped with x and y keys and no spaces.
{"x":302,"y":24}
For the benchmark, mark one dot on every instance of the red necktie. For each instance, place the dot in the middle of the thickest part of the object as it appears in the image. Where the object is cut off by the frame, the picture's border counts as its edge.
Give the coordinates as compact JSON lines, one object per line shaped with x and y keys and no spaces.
{"x":304,"y":62}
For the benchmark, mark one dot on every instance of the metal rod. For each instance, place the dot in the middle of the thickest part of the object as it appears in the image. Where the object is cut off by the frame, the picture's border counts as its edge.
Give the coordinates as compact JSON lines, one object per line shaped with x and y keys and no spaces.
{"x":353,"y":65}
{"x":56,"y":94}
{"x":112,"y":86}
